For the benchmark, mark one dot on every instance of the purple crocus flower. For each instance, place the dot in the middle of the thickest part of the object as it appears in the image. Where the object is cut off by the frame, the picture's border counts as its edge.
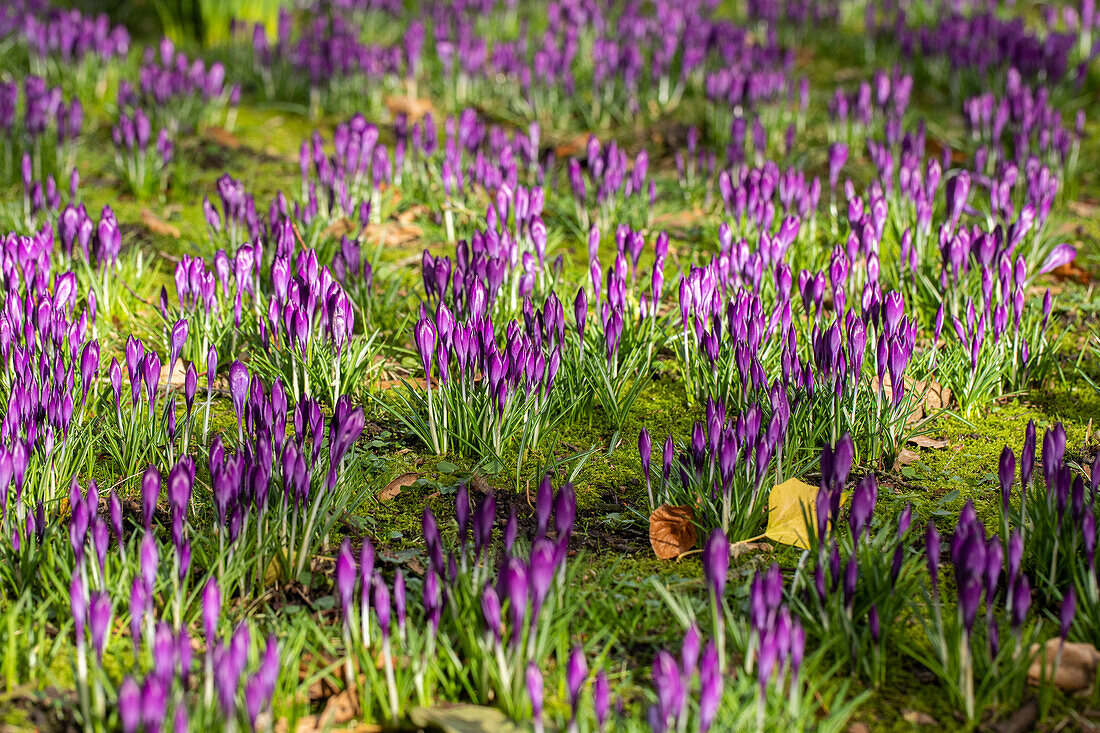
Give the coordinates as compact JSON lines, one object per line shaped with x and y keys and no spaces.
{"x":490,"y":610}
{"x":1021,"y":601}
{"x":425,"y":344}
{"x":78,"y":604}
{"x":716,"y":560}
{"x":1061,"y":255}
{"x":932,"y":550}
{"x":1007,"y":471}
{"x":211,"y":608}
{"x":534,"y":690}
{"x":711,"y":682}
{"x":150,"y":493}
{"x":345,"y":578}
{"x":381,"y":602}
{"x":514,"y":580}
{"x":1067,"y":612}
{"x":576,"y":673}
{"x":669,"y":686}
{"x":129,"y":705}
{"x":176,"y":341}
{"x":99,"y":620}
{"x":601,"y":698}
{"x":645,"y":450}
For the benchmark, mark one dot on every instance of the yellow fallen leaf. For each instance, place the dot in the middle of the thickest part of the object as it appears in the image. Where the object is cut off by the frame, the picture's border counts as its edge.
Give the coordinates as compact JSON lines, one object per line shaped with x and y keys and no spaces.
{"x":786,"y":522}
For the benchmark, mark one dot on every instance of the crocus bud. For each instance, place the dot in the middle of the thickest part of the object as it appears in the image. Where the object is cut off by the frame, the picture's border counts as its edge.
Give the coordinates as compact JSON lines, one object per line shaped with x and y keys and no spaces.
{"x":716,"y":560}
{"x":576,"y":673}
{"x":711,"y":682}
{"x":534,"y":690}
{"x":645,"y":450}
{"x":1067,"y":612}
{"x":129,"y":705}
{"x":150,"y":493}
{"x":1007,"y":471}
{"x":178,"y":337}
{"x":345,"y":578}
{"x":381,"y":603}
{"x":211,"y":608}
{"x":932,"y":550}
{"x":1021,"y":601}
{"x":490,"y":610}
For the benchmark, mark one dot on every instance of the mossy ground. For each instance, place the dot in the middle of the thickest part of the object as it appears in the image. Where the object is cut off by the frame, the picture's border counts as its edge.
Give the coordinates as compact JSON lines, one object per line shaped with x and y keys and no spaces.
{"x":618,"y":568}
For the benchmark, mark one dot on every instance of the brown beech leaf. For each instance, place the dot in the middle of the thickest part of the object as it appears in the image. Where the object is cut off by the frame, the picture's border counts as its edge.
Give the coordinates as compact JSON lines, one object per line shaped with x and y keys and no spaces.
{"x":391,"y":234}
{"x":411,"y":214}
{"x":464,"y":719}
{"x":341,"y":227}
{"x":905,"y":457}
{"x":672,"y":531}
{"x":918,"y":717}
{"x":413,"y":107}
{"x":339,"y":709}
{"x":158,"y":226}
{"x":223,"y":137}
{"x":576,"y":144}
{"x":737,"y":549}
{"x":924,"y":441}
{"x":1071,"y":271}
{"x":1076,"y":671}
{"x":393,"y":488}
{"x":177,"y":378}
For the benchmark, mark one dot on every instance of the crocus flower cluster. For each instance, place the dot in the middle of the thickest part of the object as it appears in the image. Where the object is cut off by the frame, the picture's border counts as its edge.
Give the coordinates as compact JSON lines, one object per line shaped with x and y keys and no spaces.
{"x":517,"y":597}
{"x":723,"y":472}
{"x":40,"y":143}
{"x":609,"y":180}
{"x":50,"y":362}
{"x":180,"y":92}
{"x":978,"y":562}
{"x":863,"y":575}
{"x":1053,"y":530}
{"x":66,"y":33}
{"x":162,"y":657}
{"x":984,"y":43}
{"x":280,"y":484}
{"x":141,"y":166}
{"x":486,"y":395}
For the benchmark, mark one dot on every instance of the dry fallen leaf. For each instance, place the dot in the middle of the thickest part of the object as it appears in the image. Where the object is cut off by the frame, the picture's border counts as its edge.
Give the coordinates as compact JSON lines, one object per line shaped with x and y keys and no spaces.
{"x":923,"y":441}
{"x":1071,"y":271}
{"x":672,"y":531}
{"x":413,"y":107}
{"x":1076,"y":670}
{"x":464,"y":719}
{"x":936,"y":397}
{"x":574,"y":145}
{"x":177,"y":377}
{"x":341,"y":227}
{"x":223,"y":137}
{"x":679,"y":219}
{"x":339,"y":709}
{"x":393,"y":488}
{"x":905,"y":457}
{"x":411,"y":214}
{"x":158,"y":226}
{"x":916,"y":717}
{"x":737,"y":549}
{"x":786,"y":521}
{"x":391,"y":234}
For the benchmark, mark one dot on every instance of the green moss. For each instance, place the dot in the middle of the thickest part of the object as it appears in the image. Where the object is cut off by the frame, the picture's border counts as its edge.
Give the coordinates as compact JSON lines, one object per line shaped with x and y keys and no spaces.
{"x":943,"y":479}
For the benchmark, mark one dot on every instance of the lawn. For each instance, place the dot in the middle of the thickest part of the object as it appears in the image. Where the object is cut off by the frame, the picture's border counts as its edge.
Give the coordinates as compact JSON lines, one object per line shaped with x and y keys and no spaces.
{"x":573,"y":365}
